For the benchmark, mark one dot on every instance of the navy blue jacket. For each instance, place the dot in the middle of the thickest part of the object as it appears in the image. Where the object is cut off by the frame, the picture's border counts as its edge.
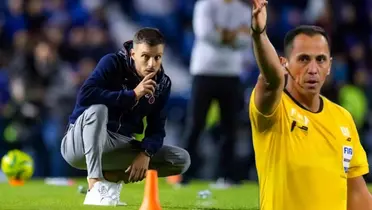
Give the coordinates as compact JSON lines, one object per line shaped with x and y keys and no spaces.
{"x":112,"y":83}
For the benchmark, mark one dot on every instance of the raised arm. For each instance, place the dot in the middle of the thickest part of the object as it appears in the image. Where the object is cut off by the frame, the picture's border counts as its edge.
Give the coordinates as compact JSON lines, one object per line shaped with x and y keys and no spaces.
{"x":271,"y":80}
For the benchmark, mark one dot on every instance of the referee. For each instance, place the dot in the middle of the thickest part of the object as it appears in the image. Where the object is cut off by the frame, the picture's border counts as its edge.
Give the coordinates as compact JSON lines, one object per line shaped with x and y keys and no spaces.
{"x":307,"y":149}
{"x":221,"y":30}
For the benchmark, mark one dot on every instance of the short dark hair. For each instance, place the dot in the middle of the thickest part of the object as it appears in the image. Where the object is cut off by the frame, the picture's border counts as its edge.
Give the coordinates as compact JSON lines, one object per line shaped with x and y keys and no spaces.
{"x":309,"y":30}
{"x":150,"y":36}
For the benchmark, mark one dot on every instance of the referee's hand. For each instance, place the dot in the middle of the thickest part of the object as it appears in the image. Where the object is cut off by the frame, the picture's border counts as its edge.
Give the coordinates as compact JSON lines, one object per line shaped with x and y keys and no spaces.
{"x":259,"y":15}
{"x":146,"y":86}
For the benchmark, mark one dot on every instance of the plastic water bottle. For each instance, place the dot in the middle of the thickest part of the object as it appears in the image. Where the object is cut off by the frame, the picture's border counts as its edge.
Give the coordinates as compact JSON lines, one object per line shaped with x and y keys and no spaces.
{"x":205,"y":199}
{"x":204,"y":194}
{"x":82,"y":189}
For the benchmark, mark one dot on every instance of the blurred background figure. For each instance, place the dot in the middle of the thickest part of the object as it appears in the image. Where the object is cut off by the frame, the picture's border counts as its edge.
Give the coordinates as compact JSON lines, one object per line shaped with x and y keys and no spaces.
{"x":221,"y":30}
{"x":48,"y":47}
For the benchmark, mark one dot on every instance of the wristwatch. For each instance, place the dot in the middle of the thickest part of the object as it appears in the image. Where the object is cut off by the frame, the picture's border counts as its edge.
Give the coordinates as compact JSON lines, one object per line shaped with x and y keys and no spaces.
{"x":147,"y":153}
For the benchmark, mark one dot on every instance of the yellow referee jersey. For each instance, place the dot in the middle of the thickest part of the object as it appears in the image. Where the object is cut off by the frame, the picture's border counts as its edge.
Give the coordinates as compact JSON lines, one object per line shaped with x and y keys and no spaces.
{"x":304,"y":158}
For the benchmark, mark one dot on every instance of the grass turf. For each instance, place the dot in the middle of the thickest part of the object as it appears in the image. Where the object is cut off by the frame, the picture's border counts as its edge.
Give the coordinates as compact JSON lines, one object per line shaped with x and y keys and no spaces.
{"x":36,"y":195}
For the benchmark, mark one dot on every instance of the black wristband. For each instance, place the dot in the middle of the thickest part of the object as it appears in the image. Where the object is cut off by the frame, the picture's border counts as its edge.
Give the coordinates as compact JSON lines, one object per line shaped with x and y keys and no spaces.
{"x":257,"y":32}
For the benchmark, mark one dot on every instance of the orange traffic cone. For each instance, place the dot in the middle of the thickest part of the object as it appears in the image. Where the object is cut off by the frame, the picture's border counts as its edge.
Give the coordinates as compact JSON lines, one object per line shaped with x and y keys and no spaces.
{"x":151,"y":195}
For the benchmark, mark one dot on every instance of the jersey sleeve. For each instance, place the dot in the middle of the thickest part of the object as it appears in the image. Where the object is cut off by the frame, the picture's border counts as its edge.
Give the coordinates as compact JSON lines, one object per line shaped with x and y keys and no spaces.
{"x":260,"y":121}
{"x":359,"y":163}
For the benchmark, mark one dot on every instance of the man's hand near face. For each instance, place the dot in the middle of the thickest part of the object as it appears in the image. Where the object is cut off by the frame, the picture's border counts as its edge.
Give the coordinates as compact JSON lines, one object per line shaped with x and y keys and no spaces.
{"x":146,"y":86}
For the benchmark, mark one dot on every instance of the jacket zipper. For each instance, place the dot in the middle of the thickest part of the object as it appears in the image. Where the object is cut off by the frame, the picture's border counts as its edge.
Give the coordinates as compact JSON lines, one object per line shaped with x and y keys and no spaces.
{"x":121,"y":115}
{"x":139,"y":81}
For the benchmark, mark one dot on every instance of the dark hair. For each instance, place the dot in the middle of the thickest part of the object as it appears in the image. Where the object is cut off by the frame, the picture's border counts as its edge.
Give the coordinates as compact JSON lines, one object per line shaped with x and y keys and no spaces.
{"x":150,"y":36}
{"x":309,"y":30}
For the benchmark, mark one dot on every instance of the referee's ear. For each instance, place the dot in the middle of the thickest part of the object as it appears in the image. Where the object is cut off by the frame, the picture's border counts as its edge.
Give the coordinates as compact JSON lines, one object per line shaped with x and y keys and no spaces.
{"x":283,"y":61}
{"x":330,"y":66}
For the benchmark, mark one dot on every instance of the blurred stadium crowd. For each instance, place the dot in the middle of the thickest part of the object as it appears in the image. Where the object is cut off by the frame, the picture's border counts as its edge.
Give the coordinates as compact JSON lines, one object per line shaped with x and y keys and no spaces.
{"x":48,"y":48}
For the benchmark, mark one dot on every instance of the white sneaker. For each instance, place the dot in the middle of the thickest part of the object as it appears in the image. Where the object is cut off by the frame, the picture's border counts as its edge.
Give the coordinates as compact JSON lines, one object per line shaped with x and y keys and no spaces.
{"x":103,"y":193}
{"x":119,"y":187}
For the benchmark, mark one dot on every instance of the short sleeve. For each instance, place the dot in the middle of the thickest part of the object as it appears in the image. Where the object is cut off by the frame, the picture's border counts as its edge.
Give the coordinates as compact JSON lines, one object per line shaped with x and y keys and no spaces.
{"x":359,"y":163}
{"x":260,"y":121}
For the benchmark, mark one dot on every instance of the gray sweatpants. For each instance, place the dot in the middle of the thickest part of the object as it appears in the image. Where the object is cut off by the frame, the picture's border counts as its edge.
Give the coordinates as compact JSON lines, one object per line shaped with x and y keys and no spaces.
{"x":88,"y":145}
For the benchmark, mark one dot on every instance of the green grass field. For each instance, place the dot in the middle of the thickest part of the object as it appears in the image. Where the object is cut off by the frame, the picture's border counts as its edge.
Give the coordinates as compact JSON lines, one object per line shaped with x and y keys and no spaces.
{"x":35,"y":195}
